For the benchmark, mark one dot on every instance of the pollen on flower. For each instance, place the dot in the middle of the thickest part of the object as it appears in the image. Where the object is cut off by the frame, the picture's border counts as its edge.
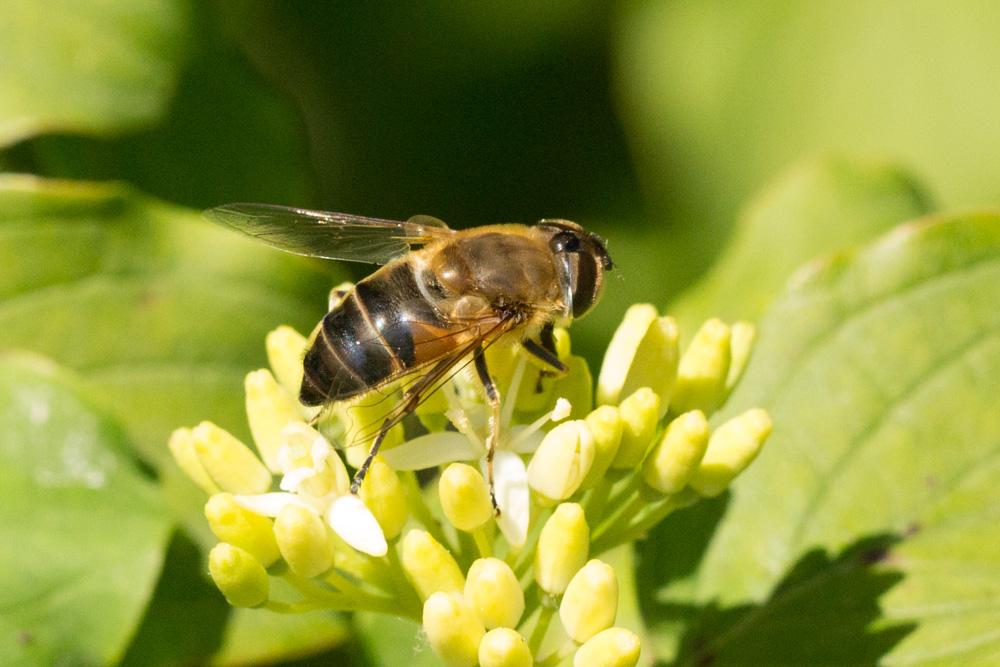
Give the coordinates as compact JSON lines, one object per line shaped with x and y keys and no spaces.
{"x":492,"y":585}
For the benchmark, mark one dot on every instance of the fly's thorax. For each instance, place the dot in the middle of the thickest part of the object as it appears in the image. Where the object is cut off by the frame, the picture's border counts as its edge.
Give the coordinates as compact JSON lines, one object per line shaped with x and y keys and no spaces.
{"x":507,"y":266}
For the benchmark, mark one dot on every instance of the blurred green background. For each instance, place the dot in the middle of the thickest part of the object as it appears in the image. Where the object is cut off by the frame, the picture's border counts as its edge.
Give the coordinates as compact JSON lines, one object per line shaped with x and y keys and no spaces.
{"x":717,"y":146}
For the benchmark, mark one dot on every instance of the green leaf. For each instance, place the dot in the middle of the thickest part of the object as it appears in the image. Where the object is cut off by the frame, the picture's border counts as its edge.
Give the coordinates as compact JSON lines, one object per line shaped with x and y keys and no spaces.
{"x":85,"y":529}
{"x":720,"y":95}
{"x":871,"y":511}
{"x":227,"y":136}
{"x":161,"y":311}
{"x":87,"y":66}
{"x":388,"y":640}
{"x":256,"y":636}
{"x":814,"y":208}
{"x":186,"y":617}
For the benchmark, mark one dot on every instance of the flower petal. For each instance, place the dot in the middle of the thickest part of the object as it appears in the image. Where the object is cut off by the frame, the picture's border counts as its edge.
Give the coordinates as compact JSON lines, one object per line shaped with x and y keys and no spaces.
{"x":510,"y":477}
{"x":356,"y":525}
{"x":431,"y":450}
{"x":270,"y":504}
{"x":293,"y":479}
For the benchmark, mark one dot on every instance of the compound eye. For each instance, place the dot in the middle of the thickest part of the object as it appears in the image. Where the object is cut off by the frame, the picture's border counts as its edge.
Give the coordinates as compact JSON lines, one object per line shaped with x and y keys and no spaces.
{"x":565,"y":242}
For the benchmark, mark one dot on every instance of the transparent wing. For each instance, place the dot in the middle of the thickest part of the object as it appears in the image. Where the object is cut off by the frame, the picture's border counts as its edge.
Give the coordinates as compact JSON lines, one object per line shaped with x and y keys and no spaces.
{"x":329,"y":235}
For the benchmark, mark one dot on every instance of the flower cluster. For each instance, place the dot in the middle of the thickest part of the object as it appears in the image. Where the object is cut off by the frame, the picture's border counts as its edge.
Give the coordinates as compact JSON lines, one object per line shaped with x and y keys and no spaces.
{"x":572,"y":481}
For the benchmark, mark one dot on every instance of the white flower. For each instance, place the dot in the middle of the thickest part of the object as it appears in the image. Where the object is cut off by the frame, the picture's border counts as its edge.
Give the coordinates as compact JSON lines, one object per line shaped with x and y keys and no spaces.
{"x":469,"y":415}
{"x":315,"y":477}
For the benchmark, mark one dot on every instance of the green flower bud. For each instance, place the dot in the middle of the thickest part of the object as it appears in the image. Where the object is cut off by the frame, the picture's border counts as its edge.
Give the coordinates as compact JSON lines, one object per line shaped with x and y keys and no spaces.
{"x":269,"y":409}
{"x":452,"y":628}
{"x":230,"y":464}
{"x":590,"y":603}
{"x":285,"y":349}
{"x":732,"y":447}
{"x":429,"y":566}
{"x":504,"y":647}
{"x":465,"y":498}
{"x":383,"y":494}
{"x":304,"y":541}
{"x":235,"y":524}
{"x":677,"y":455}
{"x":562,"y":460}
{"x":606,"y":426}
{"x":240,"y":576}
{"x":701,"y":376}
{"x":181,"y":445}
{"x":614,"y":647}
{"x":495,"y":593}
{"x":562,"y":548}
{"x":639,"y":414}
{"x":643,"y":353}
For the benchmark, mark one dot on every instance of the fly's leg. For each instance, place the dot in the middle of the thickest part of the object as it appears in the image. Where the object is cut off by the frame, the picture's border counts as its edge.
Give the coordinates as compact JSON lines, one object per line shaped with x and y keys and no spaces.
{"x":411,"y":399}
{"x":545,"y":356}
{"x":493,"y":397}
{"x":409,"y":404}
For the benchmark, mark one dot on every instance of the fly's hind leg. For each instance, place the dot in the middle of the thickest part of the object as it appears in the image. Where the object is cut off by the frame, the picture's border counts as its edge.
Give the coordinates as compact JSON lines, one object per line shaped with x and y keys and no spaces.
{"x":493,"y":398}
{"x":411,"y":399}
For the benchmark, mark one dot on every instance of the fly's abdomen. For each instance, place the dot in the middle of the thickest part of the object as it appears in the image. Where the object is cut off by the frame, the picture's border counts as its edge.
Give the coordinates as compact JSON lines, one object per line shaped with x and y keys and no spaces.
{"x":367,"y":339}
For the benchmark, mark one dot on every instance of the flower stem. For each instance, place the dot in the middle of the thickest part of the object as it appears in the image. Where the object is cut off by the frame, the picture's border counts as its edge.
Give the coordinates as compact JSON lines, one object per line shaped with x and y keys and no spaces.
{"x":482,"y":542}
{"x":545,"y":615}
{"x":418,"y":507}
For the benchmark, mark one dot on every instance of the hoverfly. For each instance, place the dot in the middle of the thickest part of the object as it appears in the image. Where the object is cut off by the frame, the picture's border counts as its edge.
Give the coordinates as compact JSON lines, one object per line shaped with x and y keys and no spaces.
{"x":441,"y":297}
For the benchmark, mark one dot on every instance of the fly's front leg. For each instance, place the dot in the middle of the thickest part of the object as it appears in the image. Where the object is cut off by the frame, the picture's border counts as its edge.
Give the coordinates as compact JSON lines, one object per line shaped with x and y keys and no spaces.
{"x":493,"y":398}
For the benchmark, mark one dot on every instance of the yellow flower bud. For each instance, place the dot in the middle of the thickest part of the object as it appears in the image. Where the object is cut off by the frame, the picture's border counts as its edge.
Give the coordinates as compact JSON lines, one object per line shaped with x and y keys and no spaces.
{"x":285,"y":349}
{"x":621,"y":350}
{"x":495,"y":593}
{"x":240,"y":576}
{"x":452,"y":628}
{"x":429,"y":566}
{"x":639,"y":414}
{"x":732,"y":447}
{"x":235,"y":524}
{"x":181,"y":445}
{"x":742,"y":335}
{"x":338,"y":294}
{"x":360,"y":565}
{"x":383,"y":494}
{"x":678,"y":453}
{"x":269,"y":409}
{"x":230,"y":464}
{"x":304,"y":540}
{"x":504,"y":647}
{"x":643,"y":353}
{"x":701,"y":376}
{"x":606,"y":426}
{"x":562,"y":548}
{"x":563,"y":343}
{"x":614,"y":647}
{"x":590,"y":603}
{"x":431,"y":411}
{"x":562,"y":460}
{"x":576,"y":386}
{"x":465,"y":498}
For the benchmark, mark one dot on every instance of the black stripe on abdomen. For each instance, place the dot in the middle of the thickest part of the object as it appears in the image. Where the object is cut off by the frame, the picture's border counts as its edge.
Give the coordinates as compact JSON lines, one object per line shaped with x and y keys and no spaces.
{"x":347,"y":358}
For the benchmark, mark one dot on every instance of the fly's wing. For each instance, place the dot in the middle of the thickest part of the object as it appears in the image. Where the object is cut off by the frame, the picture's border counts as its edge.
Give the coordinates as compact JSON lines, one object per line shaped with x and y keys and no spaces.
{"x":419,"y":384}
{"x":329,"y":235}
